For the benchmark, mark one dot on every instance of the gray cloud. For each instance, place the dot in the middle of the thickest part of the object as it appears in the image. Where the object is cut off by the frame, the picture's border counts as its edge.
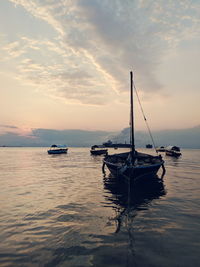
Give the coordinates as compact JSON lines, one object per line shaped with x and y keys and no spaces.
{"x":8,"y":126}
{"x":47,"y":137}
{"x":99,"y":42}
{"x":185,"y":138}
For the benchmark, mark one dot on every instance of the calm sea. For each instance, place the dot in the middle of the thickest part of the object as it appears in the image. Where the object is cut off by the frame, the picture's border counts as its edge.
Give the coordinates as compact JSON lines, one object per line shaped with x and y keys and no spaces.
{"x":61,"y":211}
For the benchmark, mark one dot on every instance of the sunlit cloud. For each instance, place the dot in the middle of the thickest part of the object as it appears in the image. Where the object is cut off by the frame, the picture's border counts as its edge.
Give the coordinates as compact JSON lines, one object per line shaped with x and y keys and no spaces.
{"x":44,"y":11}
{"x":14,"y":49}
{"x":8,"y":126}
{"x":98,"y":42}
{"x":14,"y":130}
{"x":4,"y":129}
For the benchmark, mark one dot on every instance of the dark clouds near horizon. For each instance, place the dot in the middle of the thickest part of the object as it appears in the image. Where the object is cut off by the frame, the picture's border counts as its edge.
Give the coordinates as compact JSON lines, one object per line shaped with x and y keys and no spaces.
{"x":188,"y":138}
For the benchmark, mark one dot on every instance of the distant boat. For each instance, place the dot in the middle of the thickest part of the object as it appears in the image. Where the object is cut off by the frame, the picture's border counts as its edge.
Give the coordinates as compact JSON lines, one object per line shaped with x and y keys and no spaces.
{"x":149,"y":146}
{"x":98,"y":150}
{"x":160,"y":149}
{"x":57,"y":149}
{"x":109,"y":143}
{"x":173,"y":151}
{"x":132,"y":165}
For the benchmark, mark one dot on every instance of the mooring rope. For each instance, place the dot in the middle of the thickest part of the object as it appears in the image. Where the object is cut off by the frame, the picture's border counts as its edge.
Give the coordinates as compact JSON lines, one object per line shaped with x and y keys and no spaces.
{"x":145,"y":119}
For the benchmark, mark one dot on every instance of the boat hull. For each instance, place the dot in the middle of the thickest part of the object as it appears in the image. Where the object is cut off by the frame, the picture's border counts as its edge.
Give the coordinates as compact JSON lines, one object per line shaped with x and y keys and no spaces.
{"x":133,"y":171}
{"x":57,"y":151}
{"x":173,"y":153}
{"x":99,"y":152}
{"x":160,"y":150}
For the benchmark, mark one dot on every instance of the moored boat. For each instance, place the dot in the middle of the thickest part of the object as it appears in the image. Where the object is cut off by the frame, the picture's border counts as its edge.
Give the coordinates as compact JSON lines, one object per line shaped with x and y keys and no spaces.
{"x":133,"y":165}
{"x":173,"y":151}
{"x":160,"y":149}
{"x":57,"y":149}
{"x":149,"y":146}
{"x":98,"y":150}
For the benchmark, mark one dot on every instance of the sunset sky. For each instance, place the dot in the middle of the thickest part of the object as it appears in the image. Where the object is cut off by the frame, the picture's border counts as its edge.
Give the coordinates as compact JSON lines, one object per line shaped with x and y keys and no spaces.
{"x":64,"y":64}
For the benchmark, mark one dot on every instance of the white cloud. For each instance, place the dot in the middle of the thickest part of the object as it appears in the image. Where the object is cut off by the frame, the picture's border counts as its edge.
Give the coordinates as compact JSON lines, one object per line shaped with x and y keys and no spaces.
{"x":13,"y":49}
{"x":43,"y":11}
{"x":98,"y":42}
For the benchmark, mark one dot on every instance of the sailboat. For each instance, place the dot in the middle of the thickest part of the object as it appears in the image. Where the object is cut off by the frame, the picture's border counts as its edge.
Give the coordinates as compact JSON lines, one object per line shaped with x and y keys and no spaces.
{"x":133,"y":165}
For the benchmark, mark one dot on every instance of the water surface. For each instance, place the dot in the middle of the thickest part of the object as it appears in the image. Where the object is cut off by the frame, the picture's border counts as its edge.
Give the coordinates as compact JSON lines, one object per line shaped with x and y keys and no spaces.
{"x":60,"y":210}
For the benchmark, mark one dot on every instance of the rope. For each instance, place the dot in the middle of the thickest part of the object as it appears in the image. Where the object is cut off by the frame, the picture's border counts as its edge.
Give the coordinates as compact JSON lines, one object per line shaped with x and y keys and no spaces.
{"x":145,"y":119}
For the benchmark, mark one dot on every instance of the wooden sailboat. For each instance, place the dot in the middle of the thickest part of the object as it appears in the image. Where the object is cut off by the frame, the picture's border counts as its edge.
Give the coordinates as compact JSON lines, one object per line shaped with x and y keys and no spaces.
{"x":133,"y":165}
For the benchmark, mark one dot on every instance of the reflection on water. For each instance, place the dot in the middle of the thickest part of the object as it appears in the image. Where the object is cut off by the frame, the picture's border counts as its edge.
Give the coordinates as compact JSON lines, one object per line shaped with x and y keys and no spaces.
{"x":174,"y":161}
{"x":60,"y":211}
{"x":127,"y":201}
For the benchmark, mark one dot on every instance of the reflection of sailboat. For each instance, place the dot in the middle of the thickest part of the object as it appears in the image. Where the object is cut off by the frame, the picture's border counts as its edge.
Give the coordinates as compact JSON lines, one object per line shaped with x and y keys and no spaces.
{"x":129,"y":200}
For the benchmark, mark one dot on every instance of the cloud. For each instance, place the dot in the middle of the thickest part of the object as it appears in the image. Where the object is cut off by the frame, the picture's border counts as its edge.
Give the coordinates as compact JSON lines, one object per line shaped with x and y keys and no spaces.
{"x":14,"y":49}
{"x":98,"y":42}
{"x":8,"y":126}
{"x":185,"y":138}
{"x":47,"y":137}
{"x":12,"y":130}
{"x":45,"y":11}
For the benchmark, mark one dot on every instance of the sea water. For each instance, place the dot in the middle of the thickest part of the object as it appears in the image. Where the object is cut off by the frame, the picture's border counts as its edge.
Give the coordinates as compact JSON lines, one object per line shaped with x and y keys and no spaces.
{"x":61,"y":210}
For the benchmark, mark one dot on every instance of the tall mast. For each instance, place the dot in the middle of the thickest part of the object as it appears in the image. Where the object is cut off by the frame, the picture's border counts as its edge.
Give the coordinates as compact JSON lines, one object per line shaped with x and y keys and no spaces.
{"x":132,"y":117}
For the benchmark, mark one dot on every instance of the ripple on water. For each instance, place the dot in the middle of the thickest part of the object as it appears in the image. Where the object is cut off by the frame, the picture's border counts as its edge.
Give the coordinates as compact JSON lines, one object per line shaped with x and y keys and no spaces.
{"x":61,"y":211}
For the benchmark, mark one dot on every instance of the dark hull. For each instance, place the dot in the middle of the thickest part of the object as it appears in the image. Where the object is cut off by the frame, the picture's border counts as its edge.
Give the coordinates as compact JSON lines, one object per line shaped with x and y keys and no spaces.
{"x":57,"y":151}
{"x":134,"y":172}
{"x":173,"y":154}
{"x":149,"y":146}
{"x":99,"y":152}
{"x":160,"y":150}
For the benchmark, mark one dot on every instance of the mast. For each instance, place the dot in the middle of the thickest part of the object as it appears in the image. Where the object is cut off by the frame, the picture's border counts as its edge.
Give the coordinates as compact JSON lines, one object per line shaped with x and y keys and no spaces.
{"x":132,"y":116}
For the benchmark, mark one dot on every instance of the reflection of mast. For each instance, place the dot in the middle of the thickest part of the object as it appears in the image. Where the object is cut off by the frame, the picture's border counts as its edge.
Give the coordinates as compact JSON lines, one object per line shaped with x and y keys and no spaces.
{"x":127,"y":204}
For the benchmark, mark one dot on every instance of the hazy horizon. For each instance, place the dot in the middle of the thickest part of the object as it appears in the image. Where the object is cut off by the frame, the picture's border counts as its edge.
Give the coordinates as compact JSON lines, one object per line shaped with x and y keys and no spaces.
{"x":188,"y":137}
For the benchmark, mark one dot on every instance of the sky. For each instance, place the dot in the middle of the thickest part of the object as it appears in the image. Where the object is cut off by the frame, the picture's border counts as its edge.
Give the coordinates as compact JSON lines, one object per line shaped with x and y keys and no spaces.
{"x":65,"y":64}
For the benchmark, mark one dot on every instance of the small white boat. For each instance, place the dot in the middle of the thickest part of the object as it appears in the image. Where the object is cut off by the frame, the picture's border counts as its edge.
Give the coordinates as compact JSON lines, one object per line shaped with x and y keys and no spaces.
{"x":57,"y":149}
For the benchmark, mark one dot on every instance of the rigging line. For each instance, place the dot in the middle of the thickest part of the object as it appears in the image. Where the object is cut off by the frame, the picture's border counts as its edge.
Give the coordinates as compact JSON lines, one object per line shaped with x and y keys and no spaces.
{"x":145,"y":119}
